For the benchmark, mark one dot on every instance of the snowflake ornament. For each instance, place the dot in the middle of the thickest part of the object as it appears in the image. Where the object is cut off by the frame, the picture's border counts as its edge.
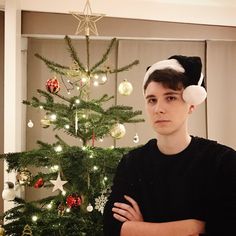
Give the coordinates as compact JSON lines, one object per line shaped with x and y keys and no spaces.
{"x":100,"y":203}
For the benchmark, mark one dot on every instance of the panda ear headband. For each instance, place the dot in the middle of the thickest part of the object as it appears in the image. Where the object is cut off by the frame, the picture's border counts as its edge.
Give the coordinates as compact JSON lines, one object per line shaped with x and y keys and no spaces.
{"x":194,"y":94}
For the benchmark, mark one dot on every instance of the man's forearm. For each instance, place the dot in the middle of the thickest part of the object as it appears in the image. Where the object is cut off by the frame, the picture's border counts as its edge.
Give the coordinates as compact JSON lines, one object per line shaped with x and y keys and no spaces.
{"x":175,"y":228}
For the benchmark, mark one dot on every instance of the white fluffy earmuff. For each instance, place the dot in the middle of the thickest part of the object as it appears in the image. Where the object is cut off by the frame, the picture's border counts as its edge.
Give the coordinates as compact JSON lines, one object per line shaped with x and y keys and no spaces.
{"x":195,"y":94}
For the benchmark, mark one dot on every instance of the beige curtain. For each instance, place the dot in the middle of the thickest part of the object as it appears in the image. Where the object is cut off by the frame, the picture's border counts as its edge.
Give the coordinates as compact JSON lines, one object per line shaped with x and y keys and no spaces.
{"x":221,"y":84}
{"x":148,"y":52}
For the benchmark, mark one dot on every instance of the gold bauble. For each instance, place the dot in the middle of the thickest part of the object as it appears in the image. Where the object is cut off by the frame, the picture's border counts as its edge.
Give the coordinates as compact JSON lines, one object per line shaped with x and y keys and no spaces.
{"x":2,"y":231}
{"x":45,"y":123}
{"x":118,"y":131}
{"x":24,"y":176}
{"x":125,"y":88}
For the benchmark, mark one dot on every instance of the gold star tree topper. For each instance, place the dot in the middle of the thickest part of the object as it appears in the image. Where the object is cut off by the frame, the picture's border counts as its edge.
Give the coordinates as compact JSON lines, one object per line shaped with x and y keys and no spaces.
{"x":87,"y":20}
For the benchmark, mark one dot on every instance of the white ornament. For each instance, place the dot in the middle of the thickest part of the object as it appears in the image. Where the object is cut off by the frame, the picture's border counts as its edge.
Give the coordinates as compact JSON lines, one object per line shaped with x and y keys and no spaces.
{"x":58,"y":183}
{"x":30,"y":124}
{"x":8,"y":192}
{"x":125,"y":88}
{"x":118,"y":131}
{"x":89,"y":208}
{"x":100,"y":203}
{"x":136,"y":138}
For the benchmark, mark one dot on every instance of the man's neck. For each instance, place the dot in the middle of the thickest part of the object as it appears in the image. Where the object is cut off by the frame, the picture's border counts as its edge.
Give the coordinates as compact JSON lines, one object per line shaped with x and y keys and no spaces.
{"x":173,"y":144}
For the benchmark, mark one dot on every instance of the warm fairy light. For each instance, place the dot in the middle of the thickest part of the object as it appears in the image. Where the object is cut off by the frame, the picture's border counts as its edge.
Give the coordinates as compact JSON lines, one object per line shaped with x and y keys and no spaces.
{"x":58,"y":148}
{"x":67,"y":126}
{"x":104,"y":78}
{"x":84,"y":79}
{"x":77,"y":101}
{"x":84,"y":148}
{"x":95,"y":83}
{"x":34,"y":218}
{"x":105,"y":178}
{"x":91,"y":156}
{"x":63,"y":193}
{"x":55,"y":168}
{"x":95,"y":76}
{"x":41,"y":107}
{"x":49,"y":206}
{"x":67,"y":209}
{"x":53,"y":117}
{"x":95,"y":168}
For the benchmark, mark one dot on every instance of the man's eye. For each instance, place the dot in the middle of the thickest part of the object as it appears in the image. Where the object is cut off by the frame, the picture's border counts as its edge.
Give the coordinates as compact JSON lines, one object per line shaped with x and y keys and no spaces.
{"x":151,"y":101}
{"x":171,"y":98}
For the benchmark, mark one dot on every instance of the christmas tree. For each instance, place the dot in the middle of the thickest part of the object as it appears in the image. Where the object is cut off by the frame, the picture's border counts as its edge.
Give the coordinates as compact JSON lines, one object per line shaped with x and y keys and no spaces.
{"x":80,"y":176}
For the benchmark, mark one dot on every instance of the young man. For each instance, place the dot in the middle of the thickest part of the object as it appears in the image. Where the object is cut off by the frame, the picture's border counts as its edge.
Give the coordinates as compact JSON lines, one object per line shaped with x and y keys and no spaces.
{"x":177,"y":184}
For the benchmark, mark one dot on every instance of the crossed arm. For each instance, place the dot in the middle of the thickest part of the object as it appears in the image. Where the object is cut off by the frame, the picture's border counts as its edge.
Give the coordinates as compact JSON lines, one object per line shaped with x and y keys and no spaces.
{"x":133,"y":224}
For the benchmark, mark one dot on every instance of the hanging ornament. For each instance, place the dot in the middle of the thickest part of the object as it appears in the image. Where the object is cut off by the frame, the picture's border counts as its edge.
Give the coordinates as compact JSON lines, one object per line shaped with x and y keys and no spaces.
{"x":27,"y":231}
{"x":61,"y":209}
{"x":39,"y":183}
{"x":30,"y":124}
{"x":58,"y":183}
{"x":24,"y":176}
{"x":45,"y":123}
{"x":136,"y":138}
{"x":2,"y":231}
{"x":100,"y":203}
{"x":52,"y":85}
{"x":8,"y":192}
{"x":118,"y":131}
{"x":73,"y":200}
{"x":89,"y":208}
{"x":125,"y":88}
{"x":76,"y":122}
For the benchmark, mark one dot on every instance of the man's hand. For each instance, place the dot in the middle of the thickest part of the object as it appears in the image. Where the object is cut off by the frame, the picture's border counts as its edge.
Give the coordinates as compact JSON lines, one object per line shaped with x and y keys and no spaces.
{"x":125,"y":212}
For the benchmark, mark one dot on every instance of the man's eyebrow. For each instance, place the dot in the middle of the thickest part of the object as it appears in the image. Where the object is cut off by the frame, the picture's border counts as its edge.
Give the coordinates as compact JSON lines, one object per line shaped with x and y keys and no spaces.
{"x":165,"y":94}
{"x":172,"y":93}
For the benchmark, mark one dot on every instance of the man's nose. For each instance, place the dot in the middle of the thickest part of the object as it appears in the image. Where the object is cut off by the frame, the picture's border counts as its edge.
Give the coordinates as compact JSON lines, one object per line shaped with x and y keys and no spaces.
{"x":159,"y":108}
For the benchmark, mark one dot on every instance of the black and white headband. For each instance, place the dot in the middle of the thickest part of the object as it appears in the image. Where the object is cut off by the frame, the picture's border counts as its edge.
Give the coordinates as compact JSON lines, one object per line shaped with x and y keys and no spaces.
{"x":193,"y":94}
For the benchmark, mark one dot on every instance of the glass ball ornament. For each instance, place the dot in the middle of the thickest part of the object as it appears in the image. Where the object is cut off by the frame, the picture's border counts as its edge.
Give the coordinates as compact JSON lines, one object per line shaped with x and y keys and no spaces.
{"x":89,"y":208}
{"x":136,"y":138}
{"x":118,"y":131}
{"x":30,"y":124}
{"x":8,"y":192}
{"x":24,"y":176}
{"x":2,"y":231}
{"x":52,"y":85}
{"x":125,"y":88}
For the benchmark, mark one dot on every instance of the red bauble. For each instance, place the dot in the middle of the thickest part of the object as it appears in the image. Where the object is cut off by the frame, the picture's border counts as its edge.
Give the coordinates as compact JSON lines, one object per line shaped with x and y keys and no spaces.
{"x":52,"y":85}
{"x":73,"y":200}
{"x":39,"y":183}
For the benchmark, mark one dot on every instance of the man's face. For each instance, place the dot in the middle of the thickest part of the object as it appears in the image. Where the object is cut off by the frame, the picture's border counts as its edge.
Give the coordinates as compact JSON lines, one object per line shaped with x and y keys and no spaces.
{"x":167,"y":110}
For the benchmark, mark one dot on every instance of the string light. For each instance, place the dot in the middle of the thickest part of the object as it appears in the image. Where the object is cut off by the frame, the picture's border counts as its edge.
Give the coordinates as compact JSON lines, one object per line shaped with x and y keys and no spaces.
{"x":95,"y":168}
{"x":58,"y":148}
{"x":49,"y":206}
{"x":55,"y":168}
{"x":53,"y":117}
{"x":34,"y":218}
{"x":67,"y":126}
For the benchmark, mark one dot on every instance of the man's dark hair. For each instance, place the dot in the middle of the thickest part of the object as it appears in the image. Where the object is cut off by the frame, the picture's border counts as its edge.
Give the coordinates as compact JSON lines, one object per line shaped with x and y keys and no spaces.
{"x":169,"y":79}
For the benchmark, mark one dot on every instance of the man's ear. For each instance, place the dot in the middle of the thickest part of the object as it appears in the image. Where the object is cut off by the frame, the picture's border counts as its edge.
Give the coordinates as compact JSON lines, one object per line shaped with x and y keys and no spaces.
{"x":191,"y":109}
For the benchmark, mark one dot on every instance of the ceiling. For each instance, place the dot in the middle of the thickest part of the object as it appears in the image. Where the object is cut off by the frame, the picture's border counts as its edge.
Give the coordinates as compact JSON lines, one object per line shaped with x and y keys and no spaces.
{"x":211,"y":12}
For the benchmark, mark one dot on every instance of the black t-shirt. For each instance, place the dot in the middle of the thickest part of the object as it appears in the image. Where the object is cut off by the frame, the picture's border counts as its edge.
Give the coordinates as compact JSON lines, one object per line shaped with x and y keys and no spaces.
{"x":197,"y":183}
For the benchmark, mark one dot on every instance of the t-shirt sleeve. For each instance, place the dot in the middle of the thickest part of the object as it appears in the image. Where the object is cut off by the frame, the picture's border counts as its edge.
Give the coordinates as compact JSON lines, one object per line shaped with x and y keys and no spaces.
{"x":121,"y":185}
{"x":222,"y":216}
